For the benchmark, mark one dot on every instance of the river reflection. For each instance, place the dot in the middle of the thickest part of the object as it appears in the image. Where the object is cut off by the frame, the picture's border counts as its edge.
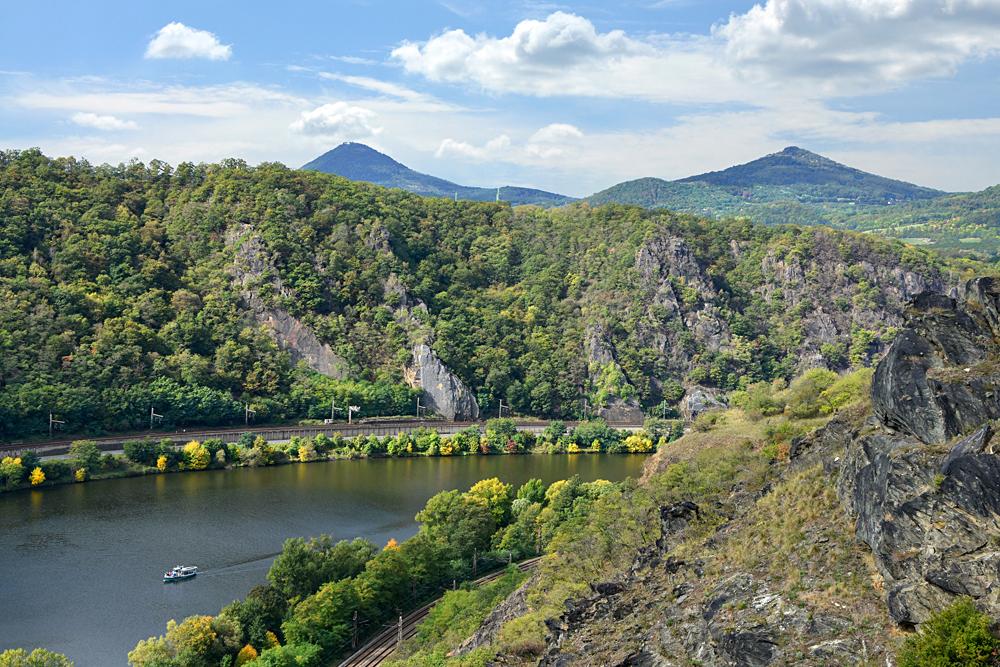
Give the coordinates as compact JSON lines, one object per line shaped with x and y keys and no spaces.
{"x":81,"y":564}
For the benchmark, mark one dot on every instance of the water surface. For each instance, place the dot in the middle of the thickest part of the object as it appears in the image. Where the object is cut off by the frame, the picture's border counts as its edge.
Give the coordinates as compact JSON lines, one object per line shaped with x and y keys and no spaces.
{"x":81,"y":565}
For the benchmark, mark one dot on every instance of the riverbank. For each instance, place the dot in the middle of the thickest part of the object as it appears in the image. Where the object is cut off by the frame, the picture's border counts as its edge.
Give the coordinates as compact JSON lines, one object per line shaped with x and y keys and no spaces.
{"x":89,"y":558}
{"x":85,"y":462}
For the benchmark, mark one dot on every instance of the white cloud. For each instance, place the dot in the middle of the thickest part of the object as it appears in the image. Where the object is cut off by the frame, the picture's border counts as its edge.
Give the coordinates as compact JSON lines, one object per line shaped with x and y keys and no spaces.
{"x":176,"y":40}
{"x":555,"y":133}
{"x":491,"y":150}
{"x":106,"y":98}
{"x":852,"y":45}
{"x":378,"y":86}
{"x":338,"y":120}
{"x":99,"y":122}
{"x":778,"y":50}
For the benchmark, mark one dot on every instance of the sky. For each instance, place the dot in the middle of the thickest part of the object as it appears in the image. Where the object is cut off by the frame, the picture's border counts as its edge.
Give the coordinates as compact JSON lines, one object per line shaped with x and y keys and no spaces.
{"x":569,"y":97}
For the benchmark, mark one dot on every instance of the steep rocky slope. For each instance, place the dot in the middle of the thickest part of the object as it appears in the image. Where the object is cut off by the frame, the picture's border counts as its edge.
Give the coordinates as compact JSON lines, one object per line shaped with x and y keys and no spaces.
{"x":874,"y":521}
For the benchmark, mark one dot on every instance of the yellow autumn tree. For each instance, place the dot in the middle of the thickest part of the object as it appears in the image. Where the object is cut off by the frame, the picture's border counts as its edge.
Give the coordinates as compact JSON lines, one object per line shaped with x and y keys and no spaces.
{"x":11,"y":470}
{"x":80,"y":474}
{"x":37,"y":477}
{"x":196,"y":455}
{"x":272,"y":639}
{"x":247,"y":654}
{"x":162,"y":462}
{"x":638,"y":444}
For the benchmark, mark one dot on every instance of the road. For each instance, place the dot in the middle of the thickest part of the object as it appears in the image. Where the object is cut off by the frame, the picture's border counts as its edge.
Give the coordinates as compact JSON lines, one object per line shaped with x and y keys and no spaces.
{"x":378,"y":650}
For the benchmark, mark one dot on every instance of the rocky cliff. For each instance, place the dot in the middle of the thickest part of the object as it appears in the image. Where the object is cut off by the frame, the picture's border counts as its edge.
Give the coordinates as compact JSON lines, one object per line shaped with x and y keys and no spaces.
{"x":253,"y":275}
{"x":879,"y":518}
{"x":922,"y":479}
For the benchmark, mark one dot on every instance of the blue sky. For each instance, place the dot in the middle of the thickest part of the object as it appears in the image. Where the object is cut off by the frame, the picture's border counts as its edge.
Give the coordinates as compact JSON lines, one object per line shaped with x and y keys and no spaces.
{"x":570,"y":97}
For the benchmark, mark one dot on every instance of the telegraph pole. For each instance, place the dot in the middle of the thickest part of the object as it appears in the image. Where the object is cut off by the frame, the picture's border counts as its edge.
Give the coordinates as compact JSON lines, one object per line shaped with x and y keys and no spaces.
{"x":153,"y":418}
{"x":399,"y":632}
{"x":54,"y":422}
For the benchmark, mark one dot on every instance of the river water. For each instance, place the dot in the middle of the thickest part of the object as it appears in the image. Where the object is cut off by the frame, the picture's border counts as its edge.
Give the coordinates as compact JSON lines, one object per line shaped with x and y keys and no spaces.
{"x":81,"y":565}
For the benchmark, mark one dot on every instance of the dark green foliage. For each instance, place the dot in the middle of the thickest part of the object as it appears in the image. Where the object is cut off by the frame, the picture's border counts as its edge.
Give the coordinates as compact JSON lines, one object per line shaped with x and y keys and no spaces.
{"x":305,"y":565}
{"x":144,"y":452}
{"x":118,"y":296}
{"x":959,"y":635}
{"x":261,"y":611}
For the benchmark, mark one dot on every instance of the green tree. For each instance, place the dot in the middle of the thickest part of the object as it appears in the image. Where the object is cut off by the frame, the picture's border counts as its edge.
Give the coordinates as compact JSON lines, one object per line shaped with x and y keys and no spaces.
{"x":497,"y":497}
{"x":458,"y":521}
{"x":324,"y":618}
{"x":305,"y":565}
{"x":958,"y":635}
{"x":85,"y":454}
{"x":39,"y":657}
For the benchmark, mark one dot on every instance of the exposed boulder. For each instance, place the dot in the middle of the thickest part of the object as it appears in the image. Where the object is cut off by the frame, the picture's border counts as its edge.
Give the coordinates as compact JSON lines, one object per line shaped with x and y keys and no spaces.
{"x":698,"y":399}
{"x":444,"y":392}
{"x":253,"y":274}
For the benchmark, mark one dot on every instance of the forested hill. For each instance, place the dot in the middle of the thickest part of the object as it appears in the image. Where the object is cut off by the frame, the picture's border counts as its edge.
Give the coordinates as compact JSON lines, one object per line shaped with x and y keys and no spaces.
{"x":359,"y":162}
{"x":197,"y":288}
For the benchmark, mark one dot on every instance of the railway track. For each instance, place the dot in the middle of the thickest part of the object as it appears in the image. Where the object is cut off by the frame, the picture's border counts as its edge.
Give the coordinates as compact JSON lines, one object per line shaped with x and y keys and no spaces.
{"x":380,"y":647}
{"x":378,"y":427}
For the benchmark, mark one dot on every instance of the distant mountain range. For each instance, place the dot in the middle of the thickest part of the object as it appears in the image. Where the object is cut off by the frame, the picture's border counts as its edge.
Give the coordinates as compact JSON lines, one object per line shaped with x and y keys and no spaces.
{"x":359,"y":162}
{"x":793,"y":174}
{"x":793,"y":186}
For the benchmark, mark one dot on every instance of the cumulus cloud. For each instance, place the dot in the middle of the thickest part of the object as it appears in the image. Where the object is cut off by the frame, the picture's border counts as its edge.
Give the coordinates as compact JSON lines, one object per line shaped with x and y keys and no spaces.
{"x":338,"y":120}
{"x":546,"y":143}
{"x":854,"y":44}
{"x":176,"y":40}
{"x":100,"y":122}
{"x":826,"y":47}
{"x":491,"y":150}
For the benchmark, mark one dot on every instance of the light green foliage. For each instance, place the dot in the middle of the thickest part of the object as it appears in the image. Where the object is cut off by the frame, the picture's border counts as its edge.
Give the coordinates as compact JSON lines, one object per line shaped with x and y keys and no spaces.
{"x":533,"y":491}
{"x":497,"y":497}
{"x":803,"y":397}
{"x":454,"y":618}
{"x":40,"y":657}
{"x":12,"y":470}
{"x":958,"y":635}
{"x":291,"y":655}
{"x":85,"y":454}
{"x":197,"y":641}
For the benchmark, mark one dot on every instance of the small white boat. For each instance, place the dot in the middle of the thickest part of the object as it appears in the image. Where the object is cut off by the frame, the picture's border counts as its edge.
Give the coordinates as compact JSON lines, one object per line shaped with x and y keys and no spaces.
{"x":180,"y":573}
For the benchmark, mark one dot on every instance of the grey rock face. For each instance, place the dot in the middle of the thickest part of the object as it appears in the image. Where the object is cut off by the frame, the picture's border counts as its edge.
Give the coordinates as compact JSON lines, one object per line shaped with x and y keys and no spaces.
{"x":926,"y":501}
{"x":445,"y":393}
{"x":940,"y":377}
{"x":252,"y":271}
{"x":698,"y":399}
{"x":600,"y":355}
{"x":516,"y":604}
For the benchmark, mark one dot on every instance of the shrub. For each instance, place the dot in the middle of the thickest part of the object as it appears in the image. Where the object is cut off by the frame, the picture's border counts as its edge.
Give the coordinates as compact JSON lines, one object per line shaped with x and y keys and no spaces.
{"x":957,"y":635}
{"x":37,"y":477}
{"x":86,"y":454}
{"x":80,"y":475}
{"x":141,"y":451}
{"x":196,"y":456}
{"x":56,"y":470}
{"x":11,"y":470}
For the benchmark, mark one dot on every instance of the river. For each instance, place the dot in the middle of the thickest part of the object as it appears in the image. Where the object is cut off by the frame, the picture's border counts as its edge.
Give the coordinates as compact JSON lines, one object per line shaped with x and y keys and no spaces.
{"x":82,"y":564}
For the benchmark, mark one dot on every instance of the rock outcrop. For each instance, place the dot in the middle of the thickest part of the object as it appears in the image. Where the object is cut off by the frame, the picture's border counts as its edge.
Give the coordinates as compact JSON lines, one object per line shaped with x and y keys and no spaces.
{"x":698,"y":399}
{"x":443,"y":391}
{"x":922,"y":480}
{"x":617,"y":401}
{"x":252,"y":273}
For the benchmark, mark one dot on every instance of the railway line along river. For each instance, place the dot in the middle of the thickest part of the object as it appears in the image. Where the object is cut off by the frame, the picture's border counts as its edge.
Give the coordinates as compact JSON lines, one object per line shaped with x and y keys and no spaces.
{"x":82,"y":564}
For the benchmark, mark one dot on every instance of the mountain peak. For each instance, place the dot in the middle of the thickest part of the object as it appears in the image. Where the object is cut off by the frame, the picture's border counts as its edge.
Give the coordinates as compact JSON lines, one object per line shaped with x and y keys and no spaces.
{"x":360,"y":162}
